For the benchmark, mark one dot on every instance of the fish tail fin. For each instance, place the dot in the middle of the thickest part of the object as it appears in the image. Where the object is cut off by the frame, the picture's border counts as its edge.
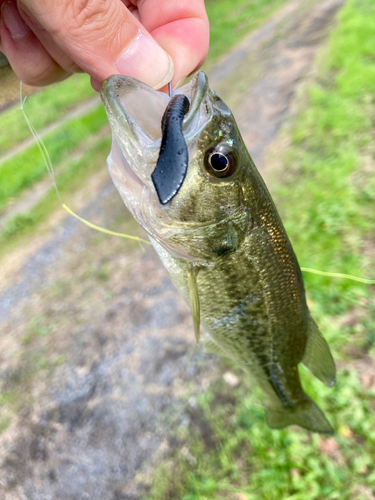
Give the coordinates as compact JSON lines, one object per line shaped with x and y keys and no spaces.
{"x":317,"y":357}
{"x":305,"y":413}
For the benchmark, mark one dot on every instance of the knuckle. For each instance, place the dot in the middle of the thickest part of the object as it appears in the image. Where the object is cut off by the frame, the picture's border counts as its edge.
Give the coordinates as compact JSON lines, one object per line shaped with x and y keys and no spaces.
{"x":68,"y":65}
{"x":41,"y":76}
{"x":91,"y":13}
{"x":102,"y":24}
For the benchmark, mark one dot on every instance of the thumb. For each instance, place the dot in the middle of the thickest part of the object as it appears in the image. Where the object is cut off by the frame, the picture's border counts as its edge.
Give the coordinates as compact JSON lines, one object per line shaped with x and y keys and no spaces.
{"x":102,"y":37}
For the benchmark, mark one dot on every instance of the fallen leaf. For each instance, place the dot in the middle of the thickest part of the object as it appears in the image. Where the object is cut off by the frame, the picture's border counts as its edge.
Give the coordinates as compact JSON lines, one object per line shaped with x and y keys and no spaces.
{"x":345,"y":431}
{"x":231,"y":379}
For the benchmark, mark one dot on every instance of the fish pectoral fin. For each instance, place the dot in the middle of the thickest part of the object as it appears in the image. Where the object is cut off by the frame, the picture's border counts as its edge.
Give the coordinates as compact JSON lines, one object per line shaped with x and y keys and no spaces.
{"x":317,"y":357}
{"x":194,"y":301}
{"x":211,"y":347}
{"x":305,"y":413}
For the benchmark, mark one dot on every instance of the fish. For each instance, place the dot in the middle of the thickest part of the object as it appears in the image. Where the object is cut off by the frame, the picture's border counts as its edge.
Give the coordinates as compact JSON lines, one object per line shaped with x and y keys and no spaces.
{"x":185,"y":174}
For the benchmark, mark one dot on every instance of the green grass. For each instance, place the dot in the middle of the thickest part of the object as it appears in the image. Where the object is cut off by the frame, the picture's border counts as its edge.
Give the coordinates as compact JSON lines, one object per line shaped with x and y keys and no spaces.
{"x":233,"y":452}
{"x":74,"y":176}
{"x":329,"y":177}
{"x":29,"y":166}
{"x":230,"y":21}
{"x":43,"y":108}
{"x":326,"y":197}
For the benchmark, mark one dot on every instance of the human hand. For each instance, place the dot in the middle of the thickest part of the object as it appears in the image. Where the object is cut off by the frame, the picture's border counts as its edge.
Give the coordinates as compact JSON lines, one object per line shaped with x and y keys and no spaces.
{"x":47,"y":40}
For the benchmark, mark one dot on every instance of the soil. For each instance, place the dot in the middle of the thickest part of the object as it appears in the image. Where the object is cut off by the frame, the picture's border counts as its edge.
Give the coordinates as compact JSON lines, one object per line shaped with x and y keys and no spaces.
{"x":98,"y":356}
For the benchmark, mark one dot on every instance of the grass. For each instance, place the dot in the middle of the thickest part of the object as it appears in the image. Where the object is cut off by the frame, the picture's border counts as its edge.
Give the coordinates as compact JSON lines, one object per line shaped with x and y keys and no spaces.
{"x":29,"y":166}
{"x":234,"y":456}
{"x":43,"y":108}
{"x":74,"y":177}
{"x":329,"y":177}
{"x":16,"y":388}
{"x":326,"y":197}
{"x":231,"y":21}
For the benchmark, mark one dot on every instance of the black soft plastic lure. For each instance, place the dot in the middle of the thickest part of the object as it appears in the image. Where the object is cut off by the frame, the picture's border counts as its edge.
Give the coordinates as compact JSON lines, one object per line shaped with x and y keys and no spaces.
{"x":171,"y":168}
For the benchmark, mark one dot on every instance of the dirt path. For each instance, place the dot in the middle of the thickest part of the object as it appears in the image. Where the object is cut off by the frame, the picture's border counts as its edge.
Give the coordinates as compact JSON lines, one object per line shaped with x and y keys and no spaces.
{"x":98,"y":359}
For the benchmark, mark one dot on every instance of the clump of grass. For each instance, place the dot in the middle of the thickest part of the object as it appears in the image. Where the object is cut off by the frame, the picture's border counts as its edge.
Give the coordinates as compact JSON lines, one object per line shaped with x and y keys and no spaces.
{"x":231,"y":21}
{"x":74,"y":176}
{"x":43,"y":108}
{"x":4,"y":424}
{"x":35,"y":329}
{"x":26,"y":168}
{"x":243,"y":458}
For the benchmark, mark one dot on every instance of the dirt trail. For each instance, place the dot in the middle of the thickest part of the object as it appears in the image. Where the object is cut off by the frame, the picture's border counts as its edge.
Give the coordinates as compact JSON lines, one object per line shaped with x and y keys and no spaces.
{"x":97,"y":349}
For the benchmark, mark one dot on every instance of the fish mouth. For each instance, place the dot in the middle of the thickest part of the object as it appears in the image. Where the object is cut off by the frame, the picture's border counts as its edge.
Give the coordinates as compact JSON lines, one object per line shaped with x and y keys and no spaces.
{"x":135,"y":112}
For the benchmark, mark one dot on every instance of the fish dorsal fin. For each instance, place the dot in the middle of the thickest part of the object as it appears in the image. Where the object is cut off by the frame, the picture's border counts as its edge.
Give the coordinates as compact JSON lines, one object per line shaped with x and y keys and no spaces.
{"x":194,"y":300}
{"x":317,"y":357}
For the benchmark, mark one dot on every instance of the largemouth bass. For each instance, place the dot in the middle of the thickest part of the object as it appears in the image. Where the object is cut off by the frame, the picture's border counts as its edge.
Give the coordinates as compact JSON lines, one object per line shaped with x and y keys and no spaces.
{"x":216,"y":229}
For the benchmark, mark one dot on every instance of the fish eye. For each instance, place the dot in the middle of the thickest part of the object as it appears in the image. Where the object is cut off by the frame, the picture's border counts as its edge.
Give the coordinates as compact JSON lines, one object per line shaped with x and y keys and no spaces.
{"x":221,"y":161}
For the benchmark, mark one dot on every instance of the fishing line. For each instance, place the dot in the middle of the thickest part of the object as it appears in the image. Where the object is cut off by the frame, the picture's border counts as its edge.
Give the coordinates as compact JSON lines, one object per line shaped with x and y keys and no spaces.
{"x":40,"y":143}
{"x":338,"y":275}
{"x":47,"y":160}
{"x":170,"y":90}
{"x":101,"y":229}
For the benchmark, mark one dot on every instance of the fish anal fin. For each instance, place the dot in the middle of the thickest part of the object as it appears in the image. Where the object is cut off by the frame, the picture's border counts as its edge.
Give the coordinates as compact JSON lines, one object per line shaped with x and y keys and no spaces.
{"x":317,"y":357}
{"x":305,"y":413}
{"x":194,"y":300}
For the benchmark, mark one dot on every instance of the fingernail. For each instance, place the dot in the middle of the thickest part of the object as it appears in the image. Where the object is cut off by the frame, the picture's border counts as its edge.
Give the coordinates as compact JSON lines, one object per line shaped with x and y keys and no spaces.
{"x":145,"y":60}
{"x":13,"y":20}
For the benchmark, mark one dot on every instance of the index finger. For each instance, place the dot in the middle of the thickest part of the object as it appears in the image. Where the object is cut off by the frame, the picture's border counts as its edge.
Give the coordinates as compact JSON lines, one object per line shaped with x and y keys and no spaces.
{"x":181,"y":28}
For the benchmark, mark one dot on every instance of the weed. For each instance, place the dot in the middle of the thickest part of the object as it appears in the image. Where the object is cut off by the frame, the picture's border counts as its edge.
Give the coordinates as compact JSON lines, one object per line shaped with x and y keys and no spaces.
{"x":4,"y":424}
{"x":36,"y":328}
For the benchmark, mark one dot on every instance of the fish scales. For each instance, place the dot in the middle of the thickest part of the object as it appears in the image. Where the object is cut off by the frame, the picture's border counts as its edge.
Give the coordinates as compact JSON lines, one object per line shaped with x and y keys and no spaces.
{"x":223,"y":243}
